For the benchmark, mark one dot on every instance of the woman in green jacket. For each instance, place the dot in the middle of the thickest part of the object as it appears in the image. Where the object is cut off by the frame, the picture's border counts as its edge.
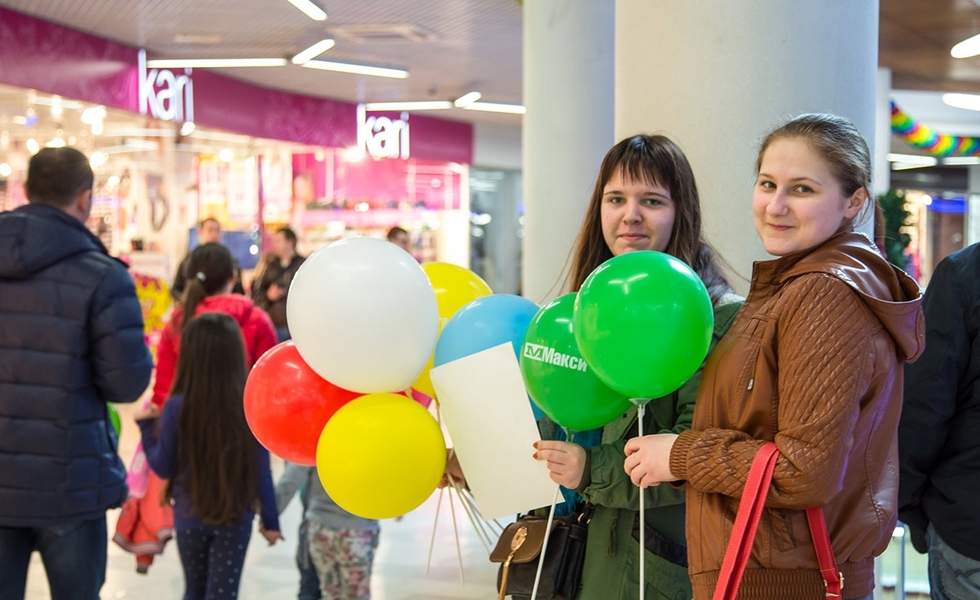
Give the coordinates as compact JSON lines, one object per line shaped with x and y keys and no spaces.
{"x":645,"y":198}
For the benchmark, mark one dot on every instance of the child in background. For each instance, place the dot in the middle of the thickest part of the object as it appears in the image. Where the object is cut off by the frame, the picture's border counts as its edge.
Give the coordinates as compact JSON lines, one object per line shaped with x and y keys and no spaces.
{"x":309,"y":583}
{"x":219,"y":474}
{"x":341,"y":545}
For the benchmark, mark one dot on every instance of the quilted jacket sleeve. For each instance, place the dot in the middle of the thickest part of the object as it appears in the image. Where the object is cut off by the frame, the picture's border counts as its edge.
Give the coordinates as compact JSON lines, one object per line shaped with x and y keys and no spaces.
{"x":825,"y":358}
{"x":121,"y":362}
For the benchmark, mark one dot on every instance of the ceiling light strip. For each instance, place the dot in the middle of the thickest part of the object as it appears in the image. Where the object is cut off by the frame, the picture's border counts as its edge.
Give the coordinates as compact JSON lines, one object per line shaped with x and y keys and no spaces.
{"x":309,"y":9}
{"x":313,"y":51}
{"x":467,"y":99}
{"x":324,"y":65}
{"x":513,"y":109}
{"x":396,"y":106}
{"x":214,"y":63}
{"x":967,"y":48}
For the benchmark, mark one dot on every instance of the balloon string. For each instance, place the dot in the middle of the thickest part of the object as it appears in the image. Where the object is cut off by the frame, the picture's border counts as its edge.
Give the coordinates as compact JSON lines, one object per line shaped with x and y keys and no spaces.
{"x":641,"y":409}
{"x":544,"y":545}
{"x":435,"y":521}
{"x":459,"y":553}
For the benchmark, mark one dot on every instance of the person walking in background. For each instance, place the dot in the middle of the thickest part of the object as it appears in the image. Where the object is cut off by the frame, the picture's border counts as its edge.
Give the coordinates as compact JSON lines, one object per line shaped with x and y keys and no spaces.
{"x":271,"y":289}
{"x":939,"y":450}
{"x":309,"y":582}
{"x":341,"y":545}
{"x":209,"y":290}
{"x":645,"y":198}
{"x":399,"y":237}
{"x":813,"y":362}
{"x":208,"y":232}
{"x":71,"y":341}
{"x":218,"y":472}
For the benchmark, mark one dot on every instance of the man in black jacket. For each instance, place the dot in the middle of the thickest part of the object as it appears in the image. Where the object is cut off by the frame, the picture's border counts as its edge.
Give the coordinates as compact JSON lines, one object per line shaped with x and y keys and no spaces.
{"x":271,"y":288}
{"x":71,"y":340}
{"x":939,"y":433}
{"x":208,"y":231}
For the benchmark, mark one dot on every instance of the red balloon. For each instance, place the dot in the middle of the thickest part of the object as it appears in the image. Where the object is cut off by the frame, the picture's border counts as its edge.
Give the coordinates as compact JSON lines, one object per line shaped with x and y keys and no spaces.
{"x":287,"y":404}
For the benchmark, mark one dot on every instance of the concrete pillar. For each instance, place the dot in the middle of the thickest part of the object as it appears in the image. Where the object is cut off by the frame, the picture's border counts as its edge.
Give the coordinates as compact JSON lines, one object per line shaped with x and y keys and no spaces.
{"x":717,"y":75}
{"x":568,"y":92}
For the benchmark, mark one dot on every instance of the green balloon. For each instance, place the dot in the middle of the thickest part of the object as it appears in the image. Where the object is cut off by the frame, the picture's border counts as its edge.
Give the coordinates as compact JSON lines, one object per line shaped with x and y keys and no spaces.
{"x":557,"y":377}
{"x":114,"y":418}
{"x":643,"y":321}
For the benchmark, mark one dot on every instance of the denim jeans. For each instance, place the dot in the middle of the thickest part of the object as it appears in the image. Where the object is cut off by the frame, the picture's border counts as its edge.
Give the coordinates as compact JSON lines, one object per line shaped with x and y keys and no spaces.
{"x":952,"y":576}
{"x":74,"y":557}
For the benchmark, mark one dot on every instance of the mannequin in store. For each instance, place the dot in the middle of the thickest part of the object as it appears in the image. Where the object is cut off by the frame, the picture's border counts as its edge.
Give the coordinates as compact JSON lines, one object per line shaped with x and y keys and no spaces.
{"x":270,"y":289}
{"x":71,"y":341}
{"x":208,"y":232}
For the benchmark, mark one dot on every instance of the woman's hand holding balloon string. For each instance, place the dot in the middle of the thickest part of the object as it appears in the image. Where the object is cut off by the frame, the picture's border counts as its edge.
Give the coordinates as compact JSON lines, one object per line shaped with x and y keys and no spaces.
{"x":452,"y":470}
{"x":648,"y":459}
{"x":565,"y":460}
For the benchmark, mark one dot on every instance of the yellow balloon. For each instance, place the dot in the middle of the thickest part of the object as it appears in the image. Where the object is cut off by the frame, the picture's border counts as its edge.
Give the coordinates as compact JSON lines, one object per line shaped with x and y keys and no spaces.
{"x":380,"y":456}
{"x":455,"y":287}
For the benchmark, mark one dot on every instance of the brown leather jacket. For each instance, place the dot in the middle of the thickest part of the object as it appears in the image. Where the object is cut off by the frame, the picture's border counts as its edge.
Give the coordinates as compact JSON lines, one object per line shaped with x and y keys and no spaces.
{"x":814,"y":363}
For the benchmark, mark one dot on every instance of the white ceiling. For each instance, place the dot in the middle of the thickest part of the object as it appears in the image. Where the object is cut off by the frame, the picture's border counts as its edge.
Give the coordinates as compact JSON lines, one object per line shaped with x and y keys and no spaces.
{"x":466,"y":44}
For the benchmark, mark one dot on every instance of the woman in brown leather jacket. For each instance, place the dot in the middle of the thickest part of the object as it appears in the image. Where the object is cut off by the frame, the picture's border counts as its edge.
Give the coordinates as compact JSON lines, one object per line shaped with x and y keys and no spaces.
{"x":812,"y":362}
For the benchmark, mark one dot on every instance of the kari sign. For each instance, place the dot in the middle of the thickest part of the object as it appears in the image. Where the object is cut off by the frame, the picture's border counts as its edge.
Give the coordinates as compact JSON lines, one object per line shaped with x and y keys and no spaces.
{"x":382,"y":137}
{"x":164,"y":94}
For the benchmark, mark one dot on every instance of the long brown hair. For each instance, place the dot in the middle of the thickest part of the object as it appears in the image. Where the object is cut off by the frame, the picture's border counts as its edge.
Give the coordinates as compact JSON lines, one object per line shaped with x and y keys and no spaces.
{"x":217,"y":460}
{"x":209,"y":269}
{"x":656,"y":160}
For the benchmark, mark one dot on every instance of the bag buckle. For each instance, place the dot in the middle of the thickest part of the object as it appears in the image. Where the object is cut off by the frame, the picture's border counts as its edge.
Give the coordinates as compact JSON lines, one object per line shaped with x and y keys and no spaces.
{"x":515,"y":544}
{"x":826,"y":586}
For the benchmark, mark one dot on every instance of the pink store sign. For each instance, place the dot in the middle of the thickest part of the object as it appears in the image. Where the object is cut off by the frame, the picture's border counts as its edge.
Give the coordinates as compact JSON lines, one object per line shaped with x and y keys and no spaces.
{"x":40,"y":55}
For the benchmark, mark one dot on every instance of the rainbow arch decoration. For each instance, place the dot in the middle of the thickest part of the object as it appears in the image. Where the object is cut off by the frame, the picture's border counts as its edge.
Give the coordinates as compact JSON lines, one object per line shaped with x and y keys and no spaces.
{"x":924,"y":137}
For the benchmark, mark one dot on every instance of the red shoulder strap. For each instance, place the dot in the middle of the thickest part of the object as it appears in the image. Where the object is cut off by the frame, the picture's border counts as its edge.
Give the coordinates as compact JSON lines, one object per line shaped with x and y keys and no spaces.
{"x":747,"y":522}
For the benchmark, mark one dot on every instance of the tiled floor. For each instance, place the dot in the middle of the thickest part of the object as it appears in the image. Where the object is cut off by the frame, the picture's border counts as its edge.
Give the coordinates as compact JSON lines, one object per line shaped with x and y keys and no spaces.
{"x":399,"y":566}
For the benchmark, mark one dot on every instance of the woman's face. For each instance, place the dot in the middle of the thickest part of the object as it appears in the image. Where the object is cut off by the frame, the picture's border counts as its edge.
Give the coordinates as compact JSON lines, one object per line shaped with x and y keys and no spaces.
{"x":635,"y":215}
{"x":797,"y":202}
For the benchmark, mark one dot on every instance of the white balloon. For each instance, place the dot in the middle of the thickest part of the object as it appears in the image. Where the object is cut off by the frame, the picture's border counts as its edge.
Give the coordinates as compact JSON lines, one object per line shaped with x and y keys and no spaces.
{"x":363,"y":315}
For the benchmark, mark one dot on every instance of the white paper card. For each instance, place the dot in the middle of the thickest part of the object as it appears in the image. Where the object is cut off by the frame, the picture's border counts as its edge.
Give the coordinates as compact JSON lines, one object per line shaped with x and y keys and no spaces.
{"x":487,"y":412}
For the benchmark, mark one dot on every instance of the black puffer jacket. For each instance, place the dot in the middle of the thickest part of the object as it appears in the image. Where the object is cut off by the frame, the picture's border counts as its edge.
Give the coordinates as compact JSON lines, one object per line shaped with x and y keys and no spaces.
{"x":939,"y":435}
{"x":71,"y":340}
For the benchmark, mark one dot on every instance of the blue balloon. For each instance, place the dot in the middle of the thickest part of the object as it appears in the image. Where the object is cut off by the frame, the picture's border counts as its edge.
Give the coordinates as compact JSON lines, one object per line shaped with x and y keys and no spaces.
{"x":484,"y":323}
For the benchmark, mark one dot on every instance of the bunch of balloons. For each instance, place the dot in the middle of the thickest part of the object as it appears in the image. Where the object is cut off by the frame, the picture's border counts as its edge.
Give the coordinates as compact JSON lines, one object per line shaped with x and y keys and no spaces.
{"x":639,"y":327}
{"x":364,"y":317}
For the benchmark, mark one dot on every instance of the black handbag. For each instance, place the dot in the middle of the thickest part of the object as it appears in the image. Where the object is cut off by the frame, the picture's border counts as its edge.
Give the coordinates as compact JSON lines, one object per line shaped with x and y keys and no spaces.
{"x":520,"y":545}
